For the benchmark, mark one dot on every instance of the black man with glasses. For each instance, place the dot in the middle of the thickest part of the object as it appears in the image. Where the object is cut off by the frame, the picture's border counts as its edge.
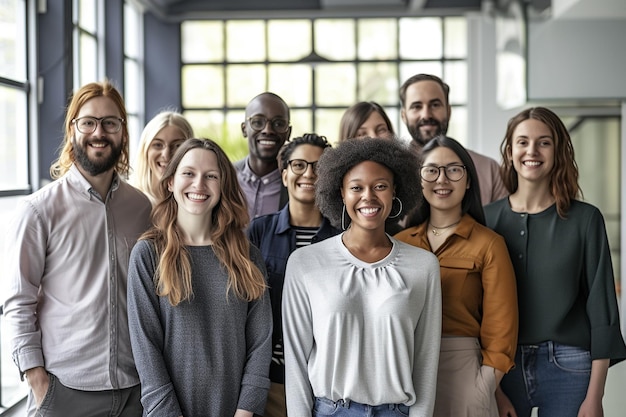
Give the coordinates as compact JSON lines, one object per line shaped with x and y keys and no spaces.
{"x":266,"y":126}
{"x":65,"y":303}
{"x":277,"y":235}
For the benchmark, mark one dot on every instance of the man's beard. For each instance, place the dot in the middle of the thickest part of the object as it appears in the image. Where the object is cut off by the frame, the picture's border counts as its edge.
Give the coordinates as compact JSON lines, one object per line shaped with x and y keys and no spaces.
{"x":416,"y":134}
{"x":101,"y":164}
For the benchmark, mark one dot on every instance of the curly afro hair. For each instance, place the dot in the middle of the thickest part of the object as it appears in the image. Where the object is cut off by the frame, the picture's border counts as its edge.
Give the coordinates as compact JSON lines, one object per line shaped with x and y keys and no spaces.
{"x":336,"y":162}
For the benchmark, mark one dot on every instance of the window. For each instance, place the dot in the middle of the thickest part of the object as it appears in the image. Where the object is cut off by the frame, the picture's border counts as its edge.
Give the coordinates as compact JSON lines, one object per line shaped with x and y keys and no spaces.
{"x":318,"y":66}
{"x":87,"y":58}
{"x":133,"y":73}
{"x":14,"y":164}
{"x":14,"y":153}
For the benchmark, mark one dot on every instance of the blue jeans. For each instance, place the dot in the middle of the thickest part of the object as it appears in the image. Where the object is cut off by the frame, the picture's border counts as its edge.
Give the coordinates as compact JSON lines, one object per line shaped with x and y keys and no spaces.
{"x":325,"y":407}
{"x":552,"y":377}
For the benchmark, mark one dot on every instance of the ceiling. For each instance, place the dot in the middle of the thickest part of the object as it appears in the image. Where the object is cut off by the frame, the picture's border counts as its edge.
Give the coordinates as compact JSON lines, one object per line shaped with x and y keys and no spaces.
{"x":177,"y":10}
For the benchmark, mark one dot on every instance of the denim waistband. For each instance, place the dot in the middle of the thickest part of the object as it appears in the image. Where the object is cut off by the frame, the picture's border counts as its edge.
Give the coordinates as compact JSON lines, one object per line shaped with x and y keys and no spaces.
{"x":365,"y":407}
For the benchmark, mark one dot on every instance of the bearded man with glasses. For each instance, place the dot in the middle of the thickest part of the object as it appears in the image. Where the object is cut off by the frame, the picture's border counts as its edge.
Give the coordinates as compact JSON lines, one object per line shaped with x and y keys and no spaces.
{"x":266,"y":126}
{"x":65,"y":305}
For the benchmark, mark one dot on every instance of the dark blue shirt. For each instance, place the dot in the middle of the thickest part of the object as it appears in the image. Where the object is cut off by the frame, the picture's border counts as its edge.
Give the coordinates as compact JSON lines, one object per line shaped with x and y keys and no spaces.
{"x":276,"y":239}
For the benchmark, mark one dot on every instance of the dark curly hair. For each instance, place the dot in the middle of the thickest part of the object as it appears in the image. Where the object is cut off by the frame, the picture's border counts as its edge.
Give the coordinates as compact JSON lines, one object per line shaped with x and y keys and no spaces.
{"x":307,"y":139}
{"x":336,"y":162}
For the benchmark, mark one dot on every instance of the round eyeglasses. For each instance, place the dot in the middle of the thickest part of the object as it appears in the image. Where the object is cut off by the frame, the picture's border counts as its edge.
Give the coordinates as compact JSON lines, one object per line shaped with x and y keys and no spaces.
{"x":299,"y":166}
{"x":453,"y":173}
{"x":88,"y":124}
{"x":279,"y":125}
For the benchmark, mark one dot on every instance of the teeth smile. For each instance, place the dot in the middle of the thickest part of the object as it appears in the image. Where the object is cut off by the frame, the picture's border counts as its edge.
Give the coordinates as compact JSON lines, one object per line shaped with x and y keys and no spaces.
{"x":307,"y":186}
{"x":532,"y":163}
{"x":266,"y":142}
{"x":369,"y":210}
{"x":195,"y":196}
{"x":443,"y":192}
{"x":98,"y":145}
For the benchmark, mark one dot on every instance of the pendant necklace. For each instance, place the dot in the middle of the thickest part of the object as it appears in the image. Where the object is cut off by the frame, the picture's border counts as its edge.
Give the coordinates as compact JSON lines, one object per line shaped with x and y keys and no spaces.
{"x":438,"y":231}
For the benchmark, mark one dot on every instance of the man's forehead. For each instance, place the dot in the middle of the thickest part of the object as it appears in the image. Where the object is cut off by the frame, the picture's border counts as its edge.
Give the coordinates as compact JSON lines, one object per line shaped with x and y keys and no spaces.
{"x":266,"y":105}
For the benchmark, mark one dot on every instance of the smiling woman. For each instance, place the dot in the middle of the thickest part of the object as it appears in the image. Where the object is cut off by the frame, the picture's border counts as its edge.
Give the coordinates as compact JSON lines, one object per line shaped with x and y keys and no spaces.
{"x":198,"y":258}
{"x":159,"y":140}
{"x":341,"y":292}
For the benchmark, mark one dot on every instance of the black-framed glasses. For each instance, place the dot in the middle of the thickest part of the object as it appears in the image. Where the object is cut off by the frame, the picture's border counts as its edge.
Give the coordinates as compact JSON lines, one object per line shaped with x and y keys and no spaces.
{"x":453,"y":172}
{"x":279,"y":124}
{"x":299,"y":166}
{"x":88,"y":124}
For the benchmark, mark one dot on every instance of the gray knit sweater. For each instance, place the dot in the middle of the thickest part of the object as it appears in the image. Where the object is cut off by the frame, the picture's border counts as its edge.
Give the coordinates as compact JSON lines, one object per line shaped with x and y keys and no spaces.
{"x":203,"y":358}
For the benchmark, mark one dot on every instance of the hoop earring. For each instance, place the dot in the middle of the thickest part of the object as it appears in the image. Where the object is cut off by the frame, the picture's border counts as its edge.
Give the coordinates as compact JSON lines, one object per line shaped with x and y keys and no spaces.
{"x":399,"y":211}
{"x":343,"y":217}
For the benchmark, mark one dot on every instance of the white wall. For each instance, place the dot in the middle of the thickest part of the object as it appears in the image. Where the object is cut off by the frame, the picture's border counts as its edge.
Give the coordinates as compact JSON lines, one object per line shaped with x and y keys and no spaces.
{"x":572,"y":59}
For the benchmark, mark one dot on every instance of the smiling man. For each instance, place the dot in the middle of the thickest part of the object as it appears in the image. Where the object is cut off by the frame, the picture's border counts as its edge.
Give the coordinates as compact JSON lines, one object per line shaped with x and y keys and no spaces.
{"x":426,"y":112}
{"x":66,"y":299}
{"x":266,"y":126}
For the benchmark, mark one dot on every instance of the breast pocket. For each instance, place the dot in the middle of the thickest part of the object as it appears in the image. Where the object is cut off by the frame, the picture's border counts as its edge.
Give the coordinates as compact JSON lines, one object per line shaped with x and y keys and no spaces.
{"x":454,"y":272}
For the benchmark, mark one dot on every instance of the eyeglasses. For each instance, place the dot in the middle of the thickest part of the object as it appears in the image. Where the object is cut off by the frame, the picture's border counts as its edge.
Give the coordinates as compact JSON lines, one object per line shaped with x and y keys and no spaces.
{"x":89,"y":124}
{"x":452,"y":172}
{"x":299,"y":166}
{"x":279,"y":125}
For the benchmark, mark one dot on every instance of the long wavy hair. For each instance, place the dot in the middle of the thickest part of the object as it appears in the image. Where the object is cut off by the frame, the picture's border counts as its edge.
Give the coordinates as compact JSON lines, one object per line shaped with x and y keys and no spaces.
{"x":142,"y":176}
{"x":564,"y":185}
{"x":84,"y":94}
{"x":356,"y":115}
{"x":471,"y":203}
{"x":229,"y":219}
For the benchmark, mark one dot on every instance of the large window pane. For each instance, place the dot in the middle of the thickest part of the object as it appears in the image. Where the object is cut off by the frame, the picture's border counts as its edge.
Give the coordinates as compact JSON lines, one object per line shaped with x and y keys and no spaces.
{"x":335,"y":84}
{"x":202,"y":86}
{"x":202,"y":42}
{"x":250,"y":77}
{"x":223,"y":129}
{"x":87,"y":15}
{"x":132,"y":30}
{"x":13,"y":140}
{"x":301,"y":122}
{"x":455,"y":75}
{"x":87,"y":59}
{"x":334,"y":39}
{"x":455,"y":37}
{"x":245,"y":41}
{"x":327,"y":123}
{"x":408,"y":69}
{"x":288,"y":40}
{"x":13,"y":40}
{"x":378,"y":82}
{"x":421,"y":38}
{"x":292,"y":83}
{"x":377,"y":39}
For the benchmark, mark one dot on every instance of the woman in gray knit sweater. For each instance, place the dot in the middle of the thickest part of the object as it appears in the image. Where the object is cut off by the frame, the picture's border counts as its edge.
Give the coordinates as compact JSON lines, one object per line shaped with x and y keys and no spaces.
{"x":199,"y":313}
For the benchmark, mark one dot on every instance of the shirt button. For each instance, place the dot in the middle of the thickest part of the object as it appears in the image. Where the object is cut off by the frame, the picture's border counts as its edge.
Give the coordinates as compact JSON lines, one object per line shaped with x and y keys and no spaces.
{"x":523,"y":215}
{"x":522,"y":233}
{"x":520,"y":256}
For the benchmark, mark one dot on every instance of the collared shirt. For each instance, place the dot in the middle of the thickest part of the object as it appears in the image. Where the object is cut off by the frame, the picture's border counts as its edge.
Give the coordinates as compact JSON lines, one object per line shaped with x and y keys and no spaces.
{"x":276,"y":238}
{"x":263,"y":194}
{"x":477,"y":287}
{"x":66,"y":301}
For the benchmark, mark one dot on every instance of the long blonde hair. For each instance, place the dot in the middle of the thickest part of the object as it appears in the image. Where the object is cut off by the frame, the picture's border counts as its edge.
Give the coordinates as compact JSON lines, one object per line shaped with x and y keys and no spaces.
{"x":229,"y":219}
{"x":84,"y":94}
{"x":142,"y":176}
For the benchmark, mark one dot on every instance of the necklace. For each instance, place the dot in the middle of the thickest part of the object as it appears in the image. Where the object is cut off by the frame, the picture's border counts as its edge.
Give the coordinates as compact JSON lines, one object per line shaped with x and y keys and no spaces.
{"x":438,"y":231}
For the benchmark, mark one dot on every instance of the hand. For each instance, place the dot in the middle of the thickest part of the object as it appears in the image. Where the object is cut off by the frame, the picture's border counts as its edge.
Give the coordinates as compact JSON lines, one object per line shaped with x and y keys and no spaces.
{"x":505,"y":407}
{"x":243,"y":413}
{"x":591,"y":408}
{"x":39,"y":381}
